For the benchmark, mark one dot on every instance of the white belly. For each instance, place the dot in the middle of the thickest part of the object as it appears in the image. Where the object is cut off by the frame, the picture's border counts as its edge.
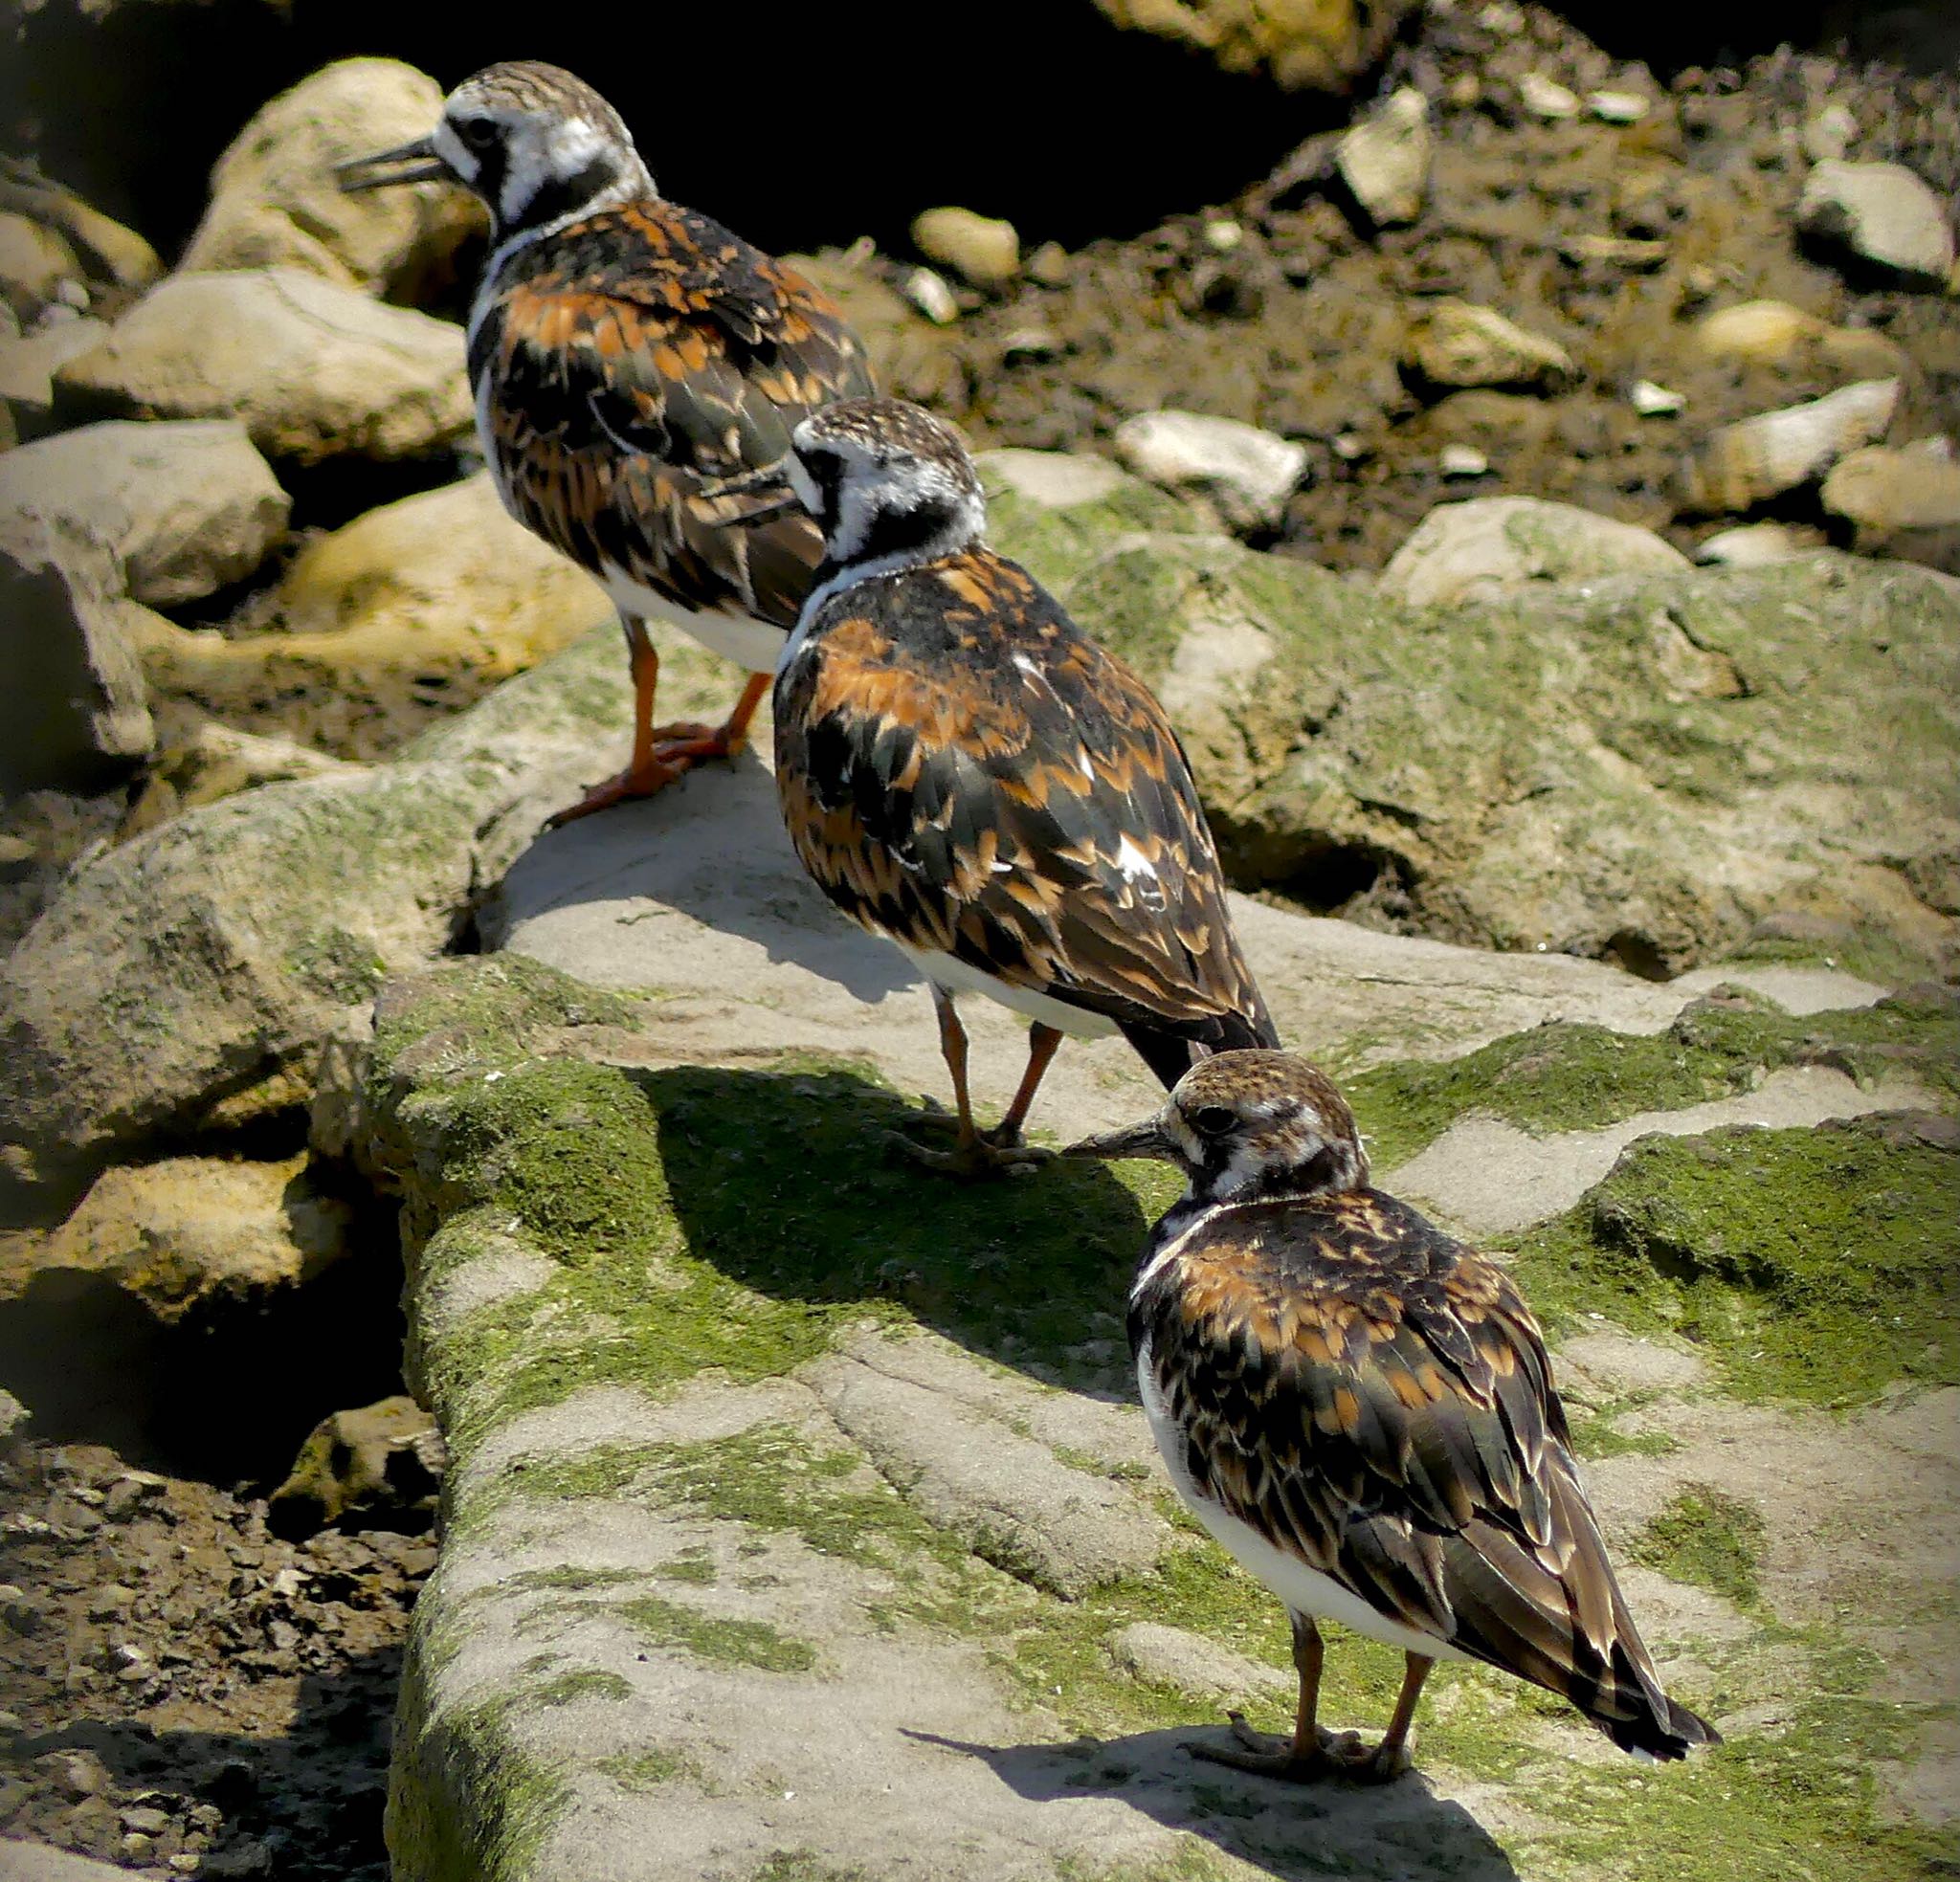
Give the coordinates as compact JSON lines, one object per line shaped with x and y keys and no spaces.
{"x":955,"y":976}
{"x":1304,"y":1589}
{"x":739,"y":637}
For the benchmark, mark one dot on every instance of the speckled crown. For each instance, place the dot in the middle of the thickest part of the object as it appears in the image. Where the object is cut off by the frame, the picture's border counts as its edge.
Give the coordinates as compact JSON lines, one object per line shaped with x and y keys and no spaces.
{"x":528,"y":84}
{"x":886,"y":430}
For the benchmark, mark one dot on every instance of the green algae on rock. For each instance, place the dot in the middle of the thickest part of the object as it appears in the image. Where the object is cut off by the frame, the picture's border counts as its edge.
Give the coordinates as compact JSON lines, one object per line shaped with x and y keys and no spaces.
{"x":708,"y":1229}
{"x":1820,"y":1265}
{"x":1572,"y":1075}
{"x":1708,"y":1538}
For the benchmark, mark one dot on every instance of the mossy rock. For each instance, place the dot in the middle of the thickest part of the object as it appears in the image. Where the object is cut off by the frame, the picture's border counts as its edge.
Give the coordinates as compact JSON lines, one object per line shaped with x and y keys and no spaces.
{"x":1816,"y":1265}
{"x":1639,"y":767}
{"x":621,"y":1271}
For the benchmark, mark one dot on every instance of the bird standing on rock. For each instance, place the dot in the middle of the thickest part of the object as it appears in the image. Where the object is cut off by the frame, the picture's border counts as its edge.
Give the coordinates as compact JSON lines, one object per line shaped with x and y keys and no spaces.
{"x":626,"y":353}
{"x":1360,"y":1410}
{"x":966,"y":772}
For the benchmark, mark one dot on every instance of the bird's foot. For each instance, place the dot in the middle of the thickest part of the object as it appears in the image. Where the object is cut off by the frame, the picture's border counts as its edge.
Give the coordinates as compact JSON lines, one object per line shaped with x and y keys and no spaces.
{"x":985,"y":1154}
{"x":646,"y":780}
{"x":1334,"y":1755}
{"x":687,"y":742}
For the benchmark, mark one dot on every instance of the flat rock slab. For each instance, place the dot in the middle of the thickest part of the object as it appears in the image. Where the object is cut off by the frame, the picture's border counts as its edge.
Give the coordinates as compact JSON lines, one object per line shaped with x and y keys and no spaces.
{"x":802,"y":1520}
{"x":753,"y":959}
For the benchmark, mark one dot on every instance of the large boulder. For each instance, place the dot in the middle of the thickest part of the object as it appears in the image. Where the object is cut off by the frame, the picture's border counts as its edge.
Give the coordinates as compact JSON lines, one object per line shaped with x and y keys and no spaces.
{"x":1638,"y":764}
{"x":276,"y":202}
{"x":764,"y":1445}
{"x":181,"y":509}
{"x":313,"y":369}
{"x":1476,"y":550}
{"x":183,"y":980}
{"x":436,"y":597}
{"x":1302,"y":45}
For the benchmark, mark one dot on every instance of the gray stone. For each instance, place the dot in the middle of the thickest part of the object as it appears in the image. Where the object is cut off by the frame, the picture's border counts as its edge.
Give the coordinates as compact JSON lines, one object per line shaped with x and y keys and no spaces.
{"x":1007,"y":1496}
{"x":1455,"y":343}
{"x":1245,"y":474}
{"x":1190,"y":1663}
{"x":928,"y":292}
{"x":1755,"y":544}
{"x":1384,"y":159}
{"x":1323,"y":46}
{"x":1546,"y":98}
{"x":1614,"y":107}
{"x":1754,"y":459}
{"x":277,"y":203}
{"x":76,"y":709}
{"x":34,"y":263}
{"x":980,"y":248}
{"x":212,"y":761}
{"x":1828,"y":132}
{"x":27,"y":364}
{"x":1883,"y":215}
{"x":187,"y":977}
{"x":311,"y":367}
{"x":183,"y":509}
{"x":110,"y":252}
{"x":1480,"y":547}
{"x":1885,"y":492}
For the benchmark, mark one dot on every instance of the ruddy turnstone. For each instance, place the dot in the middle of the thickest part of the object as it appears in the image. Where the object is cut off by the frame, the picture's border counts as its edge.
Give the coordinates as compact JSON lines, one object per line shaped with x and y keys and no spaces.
{"x":966,"y":772}
{"x":625,"y":352}
{"x":1360,"y":1410}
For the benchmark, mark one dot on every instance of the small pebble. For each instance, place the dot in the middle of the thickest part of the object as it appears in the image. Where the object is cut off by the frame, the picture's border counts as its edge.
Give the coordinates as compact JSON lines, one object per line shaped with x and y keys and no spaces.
{"x":1049,"y":265}
{"x":1827,"y":133}
{"x":1462,"y":461}
{"x":1617,"y":107}
{"x":1652,"y":401}
{"x":1031,"y":343}
{"x":1547,"y":99}
{"x":929,"y":293}
{"x":1224,"y":234}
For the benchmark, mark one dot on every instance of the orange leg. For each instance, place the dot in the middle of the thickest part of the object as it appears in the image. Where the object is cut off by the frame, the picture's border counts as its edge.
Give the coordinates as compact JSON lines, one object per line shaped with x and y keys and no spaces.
{"x":975,"y":1153}
{"x":1042,"y":1041}
{"x":1313,"y":1752}
{"x":662,"y":753}
{"x":689,"y":744}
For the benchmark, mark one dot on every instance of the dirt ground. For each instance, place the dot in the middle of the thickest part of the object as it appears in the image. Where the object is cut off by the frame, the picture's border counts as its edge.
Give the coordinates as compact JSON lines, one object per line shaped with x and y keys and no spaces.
{"x":185,"y":1693}
{"x":1610,"y":239}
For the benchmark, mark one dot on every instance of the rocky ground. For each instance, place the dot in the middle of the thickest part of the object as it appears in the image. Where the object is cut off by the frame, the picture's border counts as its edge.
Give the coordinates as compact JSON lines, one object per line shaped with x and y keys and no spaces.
{"x":787,"y":1531}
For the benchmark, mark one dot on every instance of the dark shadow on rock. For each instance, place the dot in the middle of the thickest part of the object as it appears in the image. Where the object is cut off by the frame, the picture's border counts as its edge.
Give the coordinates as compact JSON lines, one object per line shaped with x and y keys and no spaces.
{"x":789,"y":1183}
{"x":1290,"y":1831}
{"x":712,"y":848}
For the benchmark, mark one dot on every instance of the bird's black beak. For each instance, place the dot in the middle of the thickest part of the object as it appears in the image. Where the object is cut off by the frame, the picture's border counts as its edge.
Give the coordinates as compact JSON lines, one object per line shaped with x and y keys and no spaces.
{"x":1145,"y":1140}
{"x":751,"y":497}
{"x":407,"y":163}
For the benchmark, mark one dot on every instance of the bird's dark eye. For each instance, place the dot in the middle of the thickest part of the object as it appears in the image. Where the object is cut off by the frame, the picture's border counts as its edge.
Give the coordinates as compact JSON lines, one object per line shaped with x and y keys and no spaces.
{"x":1213,"y":1119}
{"x":479,"y":133}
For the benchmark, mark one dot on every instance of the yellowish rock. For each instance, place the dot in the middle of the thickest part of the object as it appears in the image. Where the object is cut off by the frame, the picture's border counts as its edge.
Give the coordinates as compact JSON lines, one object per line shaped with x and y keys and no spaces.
{"x":1302,"y":45}
{"x":981,"y":248}
{"x":276,"y":204}
{"x":190,"y":1232}
{"x":431,"y":600}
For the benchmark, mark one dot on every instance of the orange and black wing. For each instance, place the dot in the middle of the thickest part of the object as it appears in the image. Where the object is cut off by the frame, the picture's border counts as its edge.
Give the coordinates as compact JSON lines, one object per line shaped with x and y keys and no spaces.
{"x":1375,"y":1398}
{"x":637,"y":359}
{"x":962,"y":770}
